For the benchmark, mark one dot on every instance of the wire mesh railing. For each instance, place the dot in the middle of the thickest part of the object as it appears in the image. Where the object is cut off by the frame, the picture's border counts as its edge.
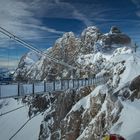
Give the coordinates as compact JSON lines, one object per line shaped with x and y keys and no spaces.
{"x":22,"y":89}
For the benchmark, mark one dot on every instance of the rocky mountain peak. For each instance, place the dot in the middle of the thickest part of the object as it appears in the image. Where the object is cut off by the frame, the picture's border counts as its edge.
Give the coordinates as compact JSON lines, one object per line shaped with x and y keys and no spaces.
{"x":115,"y":29}
{"x":90,"y":33}
{"x":68,"y":35}
{"x":115,"y":38}
{"x":68,"y":48}
{"x":29,"y":59}
{"x":89,"y":37}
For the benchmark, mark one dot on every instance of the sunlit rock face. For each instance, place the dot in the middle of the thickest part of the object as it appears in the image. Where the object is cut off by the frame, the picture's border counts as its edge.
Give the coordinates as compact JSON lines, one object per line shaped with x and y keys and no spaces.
{"x":89,"y":37}
{"x":135,"y":84}
{"x":65,"y":49}
{"x":68,"y":48}
{"x":84,"y":118}
{"x":113,"y":39}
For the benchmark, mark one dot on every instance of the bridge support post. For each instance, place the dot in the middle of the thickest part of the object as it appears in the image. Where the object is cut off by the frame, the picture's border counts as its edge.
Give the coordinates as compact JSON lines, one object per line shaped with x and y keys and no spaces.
{"x":61,"y":84}
{"x":18,"y":89}
{"x":95,"y":80}
{"x":54,"y":85}
{"x":73,"y":83}
{"x":68,"y":83}
{"x":77,"y":83}
{"x":84,"y":81}
{"x":33,"y":89}
{"x":88,"y":81}
{"x":0,"y":91}
{"x":44,"y":86}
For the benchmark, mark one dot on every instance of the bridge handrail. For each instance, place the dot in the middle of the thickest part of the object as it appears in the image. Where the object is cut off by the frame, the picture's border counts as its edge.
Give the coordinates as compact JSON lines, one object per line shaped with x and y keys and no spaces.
{"x":23,"y":89}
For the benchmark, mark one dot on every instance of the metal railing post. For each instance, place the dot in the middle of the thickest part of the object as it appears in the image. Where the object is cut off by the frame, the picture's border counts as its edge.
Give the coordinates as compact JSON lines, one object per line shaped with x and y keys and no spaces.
{"x":73,"y":83}
{"x":44,"y":86}
{"x":54,"y":85}
{"x":33,"y":89}
{"x":61,"y":84}
{"x":0,"y":91}
{"x":68,"y":83}
{"x":18,"y":89}
{"x":77,"y":83}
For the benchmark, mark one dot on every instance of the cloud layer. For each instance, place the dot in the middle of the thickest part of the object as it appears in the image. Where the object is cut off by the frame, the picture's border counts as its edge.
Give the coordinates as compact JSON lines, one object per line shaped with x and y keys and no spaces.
{"x":40,"y":22}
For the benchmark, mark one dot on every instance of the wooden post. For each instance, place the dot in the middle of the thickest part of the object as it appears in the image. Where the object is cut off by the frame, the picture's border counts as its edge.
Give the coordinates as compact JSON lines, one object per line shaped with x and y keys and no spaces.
{"x":44,"y":86}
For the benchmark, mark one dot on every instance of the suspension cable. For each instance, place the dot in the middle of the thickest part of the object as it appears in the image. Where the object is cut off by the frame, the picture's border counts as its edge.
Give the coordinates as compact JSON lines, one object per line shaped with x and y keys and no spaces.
{"x":25,"y":44}
{"x":23,"y":126}
{"x":32,"y":48}
{"x":11,"y":110}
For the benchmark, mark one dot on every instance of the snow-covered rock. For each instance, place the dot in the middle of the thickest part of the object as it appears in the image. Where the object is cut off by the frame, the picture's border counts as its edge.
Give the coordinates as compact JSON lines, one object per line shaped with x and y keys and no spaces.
{"x":89,"y":37}
{"x":71,"y":49}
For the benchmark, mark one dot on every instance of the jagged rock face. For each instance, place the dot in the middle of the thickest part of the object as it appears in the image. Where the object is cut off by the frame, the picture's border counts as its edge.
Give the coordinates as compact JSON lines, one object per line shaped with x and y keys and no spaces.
{"x":135,"y":88}
{"x":135,"y":84}
{"x":67,"y":49}
{"x":24,"y":66}
{"x":92,"y":121}
{"x":115,"y":29}
{"x":111,"y":39}
{"x":89,"y":36}
{"x":60,"y":108}
{"x":115,"y":37}
{"x":103,"y":110}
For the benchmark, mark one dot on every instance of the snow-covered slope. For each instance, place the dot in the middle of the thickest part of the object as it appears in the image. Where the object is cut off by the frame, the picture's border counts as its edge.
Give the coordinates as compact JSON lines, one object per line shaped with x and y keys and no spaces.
{"x":128,"y":124}
{"x":11,"y":122}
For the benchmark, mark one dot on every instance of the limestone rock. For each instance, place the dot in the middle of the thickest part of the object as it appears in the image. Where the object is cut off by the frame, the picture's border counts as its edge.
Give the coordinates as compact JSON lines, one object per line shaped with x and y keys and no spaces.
{"x":135,"y":84}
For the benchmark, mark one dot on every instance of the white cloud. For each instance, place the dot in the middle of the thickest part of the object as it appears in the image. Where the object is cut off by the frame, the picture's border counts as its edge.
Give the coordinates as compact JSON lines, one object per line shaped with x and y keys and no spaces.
{"x":8,"y":64}
{"x":82,"y":17}
{"x":137,"y":3}
{"x":138,"y":13}
{"x":17,"y":17}
{"x":59,"y":9}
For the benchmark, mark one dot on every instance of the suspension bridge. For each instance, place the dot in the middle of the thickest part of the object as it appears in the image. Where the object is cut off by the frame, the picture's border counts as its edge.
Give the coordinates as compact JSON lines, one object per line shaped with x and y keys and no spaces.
{"x":22,"y":89}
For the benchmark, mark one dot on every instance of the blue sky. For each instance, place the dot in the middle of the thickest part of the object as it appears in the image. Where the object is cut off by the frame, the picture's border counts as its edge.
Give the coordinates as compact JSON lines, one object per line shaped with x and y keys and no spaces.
{"x":41,"y":22}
